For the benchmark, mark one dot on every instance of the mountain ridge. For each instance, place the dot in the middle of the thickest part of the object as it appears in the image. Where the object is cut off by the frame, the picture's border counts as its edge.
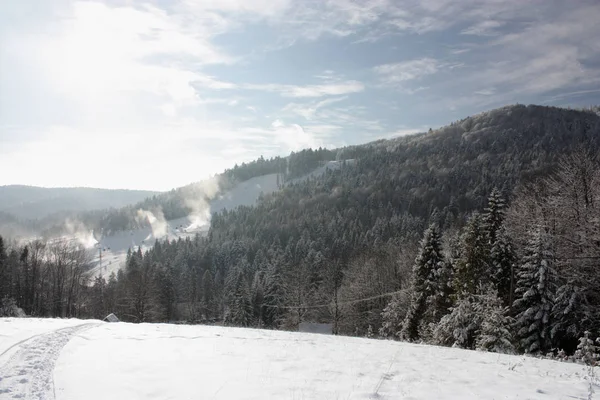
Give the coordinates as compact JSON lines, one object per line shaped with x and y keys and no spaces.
{"x":484,"y":138}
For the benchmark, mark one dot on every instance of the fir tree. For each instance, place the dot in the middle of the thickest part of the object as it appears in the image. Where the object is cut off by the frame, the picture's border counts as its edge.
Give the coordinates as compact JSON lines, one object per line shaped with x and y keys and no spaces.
{"x":494,"y":215}
{"x":494,"y":333}
{"x":458,"y":329}
{"x":239,"y":305}
{"x":502,"y":260}
{"x":392,"y":318}
{"x":472,"y":266}
{"x":568,"y":316}
{"x":258,"y":297}
{"x":4,"y":272}
{"x":535,"y":292}
{"x":429,"y":283}
{"x":587,"y":351}
{"x":273,"y":297}
{"x":208,"y":294}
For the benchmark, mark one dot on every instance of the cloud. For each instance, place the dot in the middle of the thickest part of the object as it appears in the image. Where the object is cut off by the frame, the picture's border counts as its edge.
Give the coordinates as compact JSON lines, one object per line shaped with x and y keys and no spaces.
{"x":520,"y":55}
{"x":162,"y":93}
{"x":396,"y":73}
{"x":483,"y":28}
{"x":318,"y":90}
{"x":97,"y":55}
{"x":546,"y":56}
{"x":308,"y":111}
{"x":256,"y":8}
{"x":287,"y":136}
{"x":567,"y":95}
{"x":486,"y":92}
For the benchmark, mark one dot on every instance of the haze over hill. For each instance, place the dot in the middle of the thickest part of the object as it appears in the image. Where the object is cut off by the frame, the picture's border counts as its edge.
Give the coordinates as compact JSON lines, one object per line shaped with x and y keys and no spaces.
{"x":31,"y":202}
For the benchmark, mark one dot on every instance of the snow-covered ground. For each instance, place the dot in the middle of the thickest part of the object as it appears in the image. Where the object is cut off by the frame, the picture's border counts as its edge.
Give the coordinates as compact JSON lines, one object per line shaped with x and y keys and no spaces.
{"x":95,"y":360}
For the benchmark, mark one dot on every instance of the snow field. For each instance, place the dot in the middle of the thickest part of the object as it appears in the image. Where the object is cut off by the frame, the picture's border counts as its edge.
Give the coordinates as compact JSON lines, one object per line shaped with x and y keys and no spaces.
{"x":160,"y":361}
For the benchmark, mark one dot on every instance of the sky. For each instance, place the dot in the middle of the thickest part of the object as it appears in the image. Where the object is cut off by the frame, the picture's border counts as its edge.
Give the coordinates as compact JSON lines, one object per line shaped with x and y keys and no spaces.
{"x":157,"y":94}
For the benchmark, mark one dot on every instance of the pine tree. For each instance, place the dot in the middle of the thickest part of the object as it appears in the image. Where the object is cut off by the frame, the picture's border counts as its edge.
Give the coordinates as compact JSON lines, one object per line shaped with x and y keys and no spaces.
{"x":472,"y":267}
{"x":494,"y":333}
{"x":273,"y":297}
{"x":258,"y":297}
{"x":502,"y":260}
{"x":239,"y":305}
{"x":494,"y":216}
{"x":568,"y":315}
{"x":392,"y":317}
{"x":458,"y":329}
{"x":208,"y":294}
{"x":587,"y":352}
{"x":535,"y":292}
{"x":4,"y":272}
{"x":440,"y":301}
{"x":429,"y":283}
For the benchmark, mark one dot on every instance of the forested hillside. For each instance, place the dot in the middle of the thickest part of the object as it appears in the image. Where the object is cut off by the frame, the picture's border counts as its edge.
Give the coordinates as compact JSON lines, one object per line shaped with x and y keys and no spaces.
{"x":482,"y":234}
{"x":53,"y":212}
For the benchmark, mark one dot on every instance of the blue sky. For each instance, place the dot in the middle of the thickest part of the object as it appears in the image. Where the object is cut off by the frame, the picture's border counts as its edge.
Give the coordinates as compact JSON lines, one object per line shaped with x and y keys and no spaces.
{"x":160,"y":93}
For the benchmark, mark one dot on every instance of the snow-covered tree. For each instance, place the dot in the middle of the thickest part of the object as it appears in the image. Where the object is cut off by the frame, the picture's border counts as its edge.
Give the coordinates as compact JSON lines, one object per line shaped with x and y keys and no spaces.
{"x":494,"y":333}
{"x":535,"y":292}
{"x":587,"y":351}
{"x":258,"y":297}
{"x":239,"y":306}
{"x":429,"y":284}
{"x":502,"y":262}
{"x":393,"y":316}
{"x":274,"y":296}
{"x":494,"y":215}
{"x":568,"y":315}
{"x":459,"y":328}
{"x":472,"y":266}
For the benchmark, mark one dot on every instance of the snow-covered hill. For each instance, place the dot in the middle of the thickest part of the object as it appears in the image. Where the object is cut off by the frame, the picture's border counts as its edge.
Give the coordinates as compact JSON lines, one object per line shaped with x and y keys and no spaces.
{"x":72,"y":360}
{"x":114,"y":247}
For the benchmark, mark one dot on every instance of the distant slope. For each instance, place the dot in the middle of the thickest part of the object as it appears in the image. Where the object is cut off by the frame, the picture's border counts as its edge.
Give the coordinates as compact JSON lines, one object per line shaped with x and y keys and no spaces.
{"x":115,"y":244}
{"x":31,"y":202}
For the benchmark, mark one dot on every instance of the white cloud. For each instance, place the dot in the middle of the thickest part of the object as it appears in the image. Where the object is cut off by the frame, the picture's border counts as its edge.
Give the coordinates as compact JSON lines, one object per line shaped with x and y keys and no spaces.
{"x":308,"y":111}
{"x":97,"y":54}
{"x":318,"y":90}
{"x":395,"y":73}
{"x":486,"y":92}
{"x":483,"y":28}
{"x":288,"y":137}
{"x":261,"y":8}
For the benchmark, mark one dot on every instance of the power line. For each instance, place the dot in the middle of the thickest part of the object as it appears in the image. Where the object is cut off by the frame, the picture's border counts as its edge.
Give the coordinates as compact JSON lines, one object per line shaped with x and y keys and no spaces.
{"x":340,"y":303}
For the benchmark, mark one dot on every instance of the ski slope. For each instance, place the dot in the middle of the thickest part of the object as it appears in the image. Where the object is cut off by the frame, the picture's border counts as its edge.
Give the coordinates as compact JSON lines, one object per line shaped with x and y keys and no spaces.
{"x":114,"y":247}
{"x":72,"y":360}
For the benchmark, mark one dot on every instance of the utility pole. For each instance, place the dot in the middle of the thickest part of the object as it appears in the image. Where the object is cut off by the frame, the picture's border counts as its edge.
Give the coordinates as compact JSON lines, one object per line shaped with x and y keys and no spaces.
{"x":100,"y":254}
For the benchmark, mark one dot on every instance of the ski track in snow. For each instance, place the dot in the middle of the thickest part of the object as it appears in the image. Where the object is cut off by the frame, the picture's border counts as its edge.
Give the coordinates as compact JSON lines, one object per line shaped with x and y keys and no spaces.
{"x":29,"y":372}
